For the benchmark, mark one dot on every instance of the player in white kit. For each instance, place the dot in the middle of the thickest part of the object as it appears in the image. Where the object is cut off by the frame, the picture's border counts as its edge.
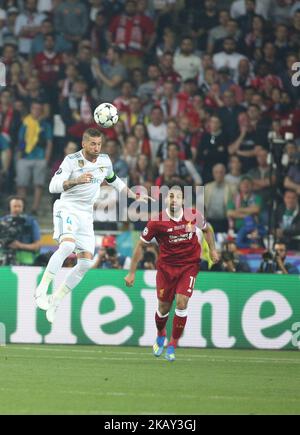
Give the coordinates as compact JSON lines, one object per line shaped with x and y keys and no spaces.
{"x":78,"y":180}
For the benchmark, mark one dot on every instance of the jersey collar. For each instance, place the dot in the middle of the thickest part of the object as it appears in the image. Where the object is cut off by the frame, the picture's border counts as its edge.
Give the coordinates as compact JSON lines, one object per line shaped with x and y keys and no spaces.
{"x":173,"y":218}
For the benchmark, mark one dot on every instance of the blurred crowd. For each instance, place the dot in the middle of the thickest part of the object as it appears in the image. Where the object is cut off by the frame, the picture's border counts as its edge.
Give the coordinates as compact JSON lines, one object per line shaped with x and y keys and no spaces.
{"x":199,"y":85}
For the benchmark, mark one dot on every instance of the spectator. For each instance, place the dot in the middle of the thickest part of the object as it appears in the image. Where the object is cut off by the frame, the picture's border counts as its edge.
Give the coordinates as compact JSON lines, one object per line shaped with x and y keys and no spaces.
{"x":71,"y":19}
{"x":292,"y":180}
{"x":142,"y":174}
{"x":240,"y":7}
{"x":97,"y":6}
{"x":122,"y":101}
{"x":133,"y":34}
{"x":85,"y":62}
{"x":48,"y":64}
{"x":120,"y":166}
{"x":171,"y":105}
{"x":263,"y":180}
{"x":27,"y":247}
{"x":141,"y":134}
{"x":133,"y":114}
{"x":8,"y":32}
{"x":28,"y":25}
{"x":169,"y":175}
{"x":229,"y":115}
{"x":66,"y":84}
{"x":167,"y":45}
{"x":244,"y":203}
{"x":168,"y":72}
{"x":186,"y":63}
{"x":34,"y":153}
{"x":110,"y":73}
{"x":253,"y":132}
{"x":184,"y":168}
{"x":234,"y":176}
{"x":147,"y":90}
{"x":76,"y":110}
{"x":217,"y":195}
{"x":130,"y":152}
{"x":218,"y":32}
{"x":251,"y":234}
{"x":202,"y":21}
{"x":38,"y":43}
{"x":228,"y":57}
{"x":213,"y":149}
{"x":98,"y":34}
{"x":288,"y":220}
{"x":157,"y":130}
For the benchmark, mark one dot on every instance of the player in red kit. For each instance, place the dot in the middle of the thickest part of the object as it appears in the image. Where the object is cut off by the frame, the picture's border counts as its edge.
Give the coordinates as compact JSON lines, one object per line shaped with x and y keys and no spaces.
{"x":178,"y":264}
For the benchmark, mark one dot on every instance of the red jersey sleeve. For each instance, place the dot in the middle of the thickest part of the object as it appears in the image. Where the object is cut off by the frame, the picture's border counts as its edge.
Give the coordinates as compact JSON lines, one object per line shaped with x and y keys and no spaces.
{"x":149,"y":232}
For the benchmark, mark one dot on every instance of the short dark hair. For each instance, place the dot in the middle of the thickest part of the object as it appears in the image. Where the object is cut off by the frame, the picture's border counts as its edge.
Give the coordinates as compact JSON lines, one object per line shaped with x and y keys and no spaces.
{"x":92,"y":132}
{"x":177,"y":186}
{"x":15,"y":198}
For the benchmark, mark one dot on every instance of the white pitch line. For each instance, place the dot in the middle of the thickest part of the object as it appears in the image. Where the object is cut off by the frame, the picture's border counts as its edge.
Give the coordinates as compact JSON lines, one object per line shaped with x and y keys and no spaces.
{"x":189,"y":358}
{"x":155,"y":395}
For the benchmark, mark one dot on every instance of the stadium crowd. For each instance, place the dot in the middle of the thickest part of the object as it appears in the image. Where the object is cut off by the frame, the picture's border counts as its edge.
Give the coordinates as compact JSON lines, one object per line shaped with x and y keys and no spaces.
{"x":199,"y":85}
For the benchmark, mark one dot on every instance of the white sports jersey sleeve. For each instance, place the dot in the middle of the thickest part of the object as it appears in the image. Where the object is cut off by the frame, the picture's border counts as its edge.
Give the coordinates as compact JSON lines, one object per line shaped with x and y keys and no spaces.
{"x":113,"y":180}
{"x":63,"y":174}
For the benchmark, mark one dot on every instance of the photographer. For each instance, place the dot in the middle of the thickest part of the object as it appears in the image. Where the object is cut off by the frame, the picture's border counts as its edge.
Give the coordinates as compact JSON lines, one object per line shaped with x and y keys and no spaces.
{"x":149,"y":259}
{"x":19,"y":235}
{"x":276,"y":263}
{"x":288,"y":220}
{"x":108,"y":257}
{"x":230,"y":260}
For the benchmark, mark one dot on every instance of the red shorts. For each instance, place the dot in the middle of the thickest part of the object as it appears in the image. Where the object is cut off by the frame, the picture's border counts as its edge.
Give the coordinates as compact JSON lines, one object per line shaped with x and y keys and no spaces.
{"x":171,"y":280}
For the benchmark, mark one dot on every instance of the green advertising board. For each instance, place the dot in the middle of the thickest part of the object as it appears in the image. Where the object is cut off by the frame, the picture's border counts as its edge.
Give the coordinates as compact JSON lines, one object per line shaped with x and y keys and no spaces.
{"x":226,"y":310}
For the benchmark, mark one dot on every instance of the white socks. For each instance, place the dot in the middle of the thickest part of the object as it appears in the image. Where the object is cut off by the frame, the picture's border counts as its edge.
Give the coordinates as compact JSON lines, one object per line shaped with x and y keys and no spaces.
{"x":55,"y":264}
{"x":73,"y":278}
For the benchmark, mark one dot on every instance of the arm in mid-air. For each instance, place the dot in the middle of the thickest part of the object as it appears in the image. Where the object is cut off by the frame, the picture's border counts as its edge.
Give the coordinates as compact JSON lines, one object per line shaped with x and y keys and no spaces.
{"x":61,"y":181}
{"x":119,"y":185}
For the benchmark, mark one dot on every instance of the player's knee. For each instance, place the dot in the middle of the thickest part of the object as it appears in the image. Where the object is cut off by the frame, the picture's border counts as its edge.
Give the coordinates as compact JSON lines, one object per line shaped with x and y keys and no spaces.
{"x":164,"y":309}
{"x":66,"y":248}
{"x":181,"y":305}
{"x":84,"y":265}
{"x":181,"y":313}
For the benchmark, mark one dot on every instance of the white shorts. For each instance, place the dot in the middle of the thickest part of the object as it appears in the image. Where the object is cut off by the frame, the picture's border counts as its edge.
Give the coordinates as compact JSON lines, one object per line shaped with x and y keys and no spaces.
{"x":74,"y":224}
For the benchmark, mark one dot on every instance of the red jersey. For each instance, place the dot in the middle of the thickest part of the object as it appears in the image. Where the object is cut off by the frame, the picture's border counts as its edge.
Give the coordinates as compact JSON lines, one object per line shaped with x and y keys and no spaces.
{"x":48,"y":67}
{"x":177,"y":238}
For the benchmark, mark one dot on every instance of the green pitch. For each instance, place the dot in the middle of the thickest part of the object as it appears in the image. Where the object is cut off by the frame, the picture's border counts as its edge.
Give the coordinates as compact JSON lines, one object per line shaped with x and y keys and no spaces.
{"x":122,"y":380}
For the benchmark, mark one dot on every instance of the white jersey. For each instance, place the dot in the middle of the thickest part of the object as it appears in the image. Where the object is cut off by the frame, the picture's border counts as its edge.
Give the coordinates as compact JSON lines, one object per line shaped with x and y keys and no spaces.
{"x":83,"y":196}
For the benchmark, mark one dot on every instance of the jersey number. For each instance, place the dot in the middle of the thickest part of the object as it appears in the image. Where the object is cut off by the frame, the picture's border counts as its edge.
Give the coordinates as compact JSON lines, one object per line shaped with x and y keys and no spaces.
{"x":192,"y":284}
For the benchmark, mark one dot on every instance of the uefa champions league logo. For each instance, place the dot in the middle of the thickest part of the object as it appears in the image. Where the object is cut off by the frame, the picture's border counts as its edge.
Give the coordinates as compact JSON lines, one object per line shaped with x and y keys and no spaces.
{"x":2,"y":75}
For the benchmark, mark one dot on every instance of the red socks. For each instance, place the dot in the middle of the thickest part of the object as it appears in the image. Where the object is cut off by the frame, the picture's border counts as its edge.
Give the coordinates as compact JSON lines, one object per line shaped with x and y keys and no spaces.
{"x":161,"y":322}
{"x":179,"y":323}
